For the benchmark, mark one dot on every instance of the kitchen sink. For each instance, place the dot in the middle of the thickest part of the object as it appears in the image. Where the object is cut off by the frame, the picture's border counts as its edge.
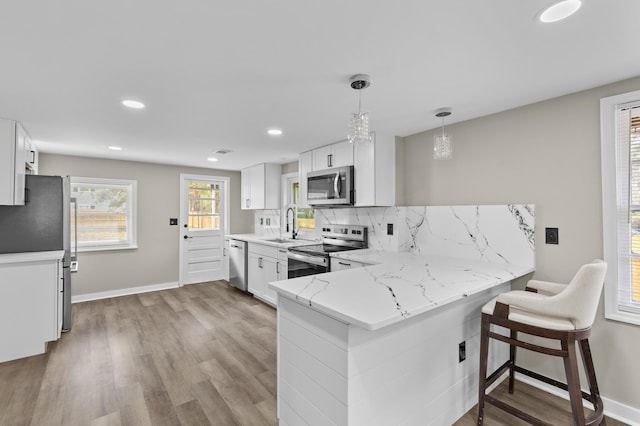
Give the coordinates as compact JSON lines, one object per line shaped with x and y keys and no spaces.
{"x":279,"y":240}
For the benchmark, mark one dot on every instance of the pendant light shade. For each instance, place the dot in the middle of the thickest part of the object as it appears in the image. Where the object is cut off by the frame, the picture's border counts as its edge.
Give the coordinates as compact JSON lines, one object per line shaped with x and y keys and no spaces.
{"x":359,"y":123}
{"x":443,"y":143}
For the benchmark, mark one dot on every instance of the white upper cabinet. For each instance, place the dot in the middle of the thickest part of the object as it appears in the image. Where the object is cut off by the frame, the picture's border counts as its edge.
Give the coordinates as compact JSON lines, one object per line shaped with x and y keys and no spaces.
{"x":13,"y":142}
{"x":339,"y":154}
{"x":261,"y":187}
{"x":375,"y":171}
{"x":31,"y":157}
{"x":374,"y":168}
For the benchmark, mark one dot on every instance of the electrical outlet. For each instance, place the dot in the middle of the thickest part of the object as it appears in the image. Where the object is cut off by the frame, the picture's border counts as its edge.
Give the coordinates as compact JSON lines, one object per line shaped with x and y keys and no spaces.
{"x":173,"y":221}
{"x":551,"y":235}
{"x":389,"y":228}
{"x":462,"y":351}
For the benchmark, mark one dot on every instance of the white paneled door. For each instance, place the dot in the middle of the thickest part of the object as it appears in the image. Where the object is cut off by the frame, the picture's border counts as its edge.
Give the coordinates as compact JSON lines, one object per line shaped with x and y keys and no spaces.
{"x":202,"y":222}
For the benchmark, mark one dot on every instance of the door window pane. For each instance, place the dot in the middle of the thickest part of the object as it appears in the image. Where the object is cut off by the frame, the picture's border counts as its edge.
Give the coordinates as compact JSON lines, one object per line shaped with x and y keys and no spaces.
{"x":204,"y":206}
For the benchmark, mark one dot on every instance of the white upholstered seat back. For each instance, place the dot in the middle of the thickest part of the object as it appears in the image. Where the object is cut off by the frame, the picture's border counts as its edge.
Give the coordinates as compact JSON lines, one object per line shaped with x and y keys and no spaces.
{"x":579,"y":301}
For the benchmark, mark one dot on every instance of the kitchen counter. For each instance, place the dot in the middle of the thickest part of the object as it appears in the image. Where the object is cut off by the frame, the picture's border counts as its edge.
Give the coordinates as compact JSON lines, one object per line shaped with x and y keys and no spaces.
{"x":383,"y":344}
{"x":30,"y":302}
{"x":396,"y":286}
{"x":396,"y":342}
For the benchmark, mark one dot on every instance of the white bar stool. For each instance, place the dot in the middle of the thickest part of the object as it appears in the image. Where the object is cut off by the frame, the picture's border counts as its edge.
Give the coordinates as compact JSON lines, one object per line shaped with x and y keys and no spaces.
{"x":554,"y":311}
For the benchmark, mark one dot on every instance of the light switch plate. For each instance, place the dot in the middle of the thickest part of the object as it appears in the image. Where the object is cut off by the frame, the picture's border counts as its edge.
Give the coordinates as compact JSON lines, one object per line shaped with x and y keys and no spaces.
{"x":551,"y":236}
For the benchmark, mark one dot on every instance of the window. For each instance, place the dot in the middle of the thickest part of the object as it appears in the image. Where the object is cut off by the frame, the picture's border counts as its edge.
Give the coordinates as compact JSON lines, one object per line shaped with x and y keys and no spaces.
{"x":106,"y":213}
{"x":305,"y":217}
{"x":620,"y":126}
{"x":204,"y":206}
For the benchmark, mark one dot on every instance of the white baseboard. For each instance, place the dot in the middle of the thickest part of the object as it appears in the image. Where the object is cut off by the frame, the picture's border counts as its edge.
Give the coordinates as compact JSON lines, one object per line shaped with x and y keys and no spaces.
{"x":613,"y":409}
{"x":123,"y":292}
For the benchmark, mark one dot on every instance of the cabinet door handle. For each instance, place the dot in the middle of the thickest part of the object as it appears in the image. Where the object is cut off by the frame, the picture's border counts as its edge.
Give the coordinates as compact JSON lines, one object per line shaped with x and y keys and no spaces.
{"x":277,"y":267}
{"x":344,"y":264}
{"x":33,"y":157}
{"x":259,"y":262}
{"x":248,"y":203}
{"x":330,"y":160}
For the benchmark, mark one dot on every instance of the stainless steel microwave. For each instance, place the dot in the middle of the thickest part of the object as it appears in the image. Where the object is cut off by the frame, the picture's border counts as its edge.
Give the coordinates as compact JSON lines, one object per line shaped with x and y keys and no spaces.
{"x":331,"y":187}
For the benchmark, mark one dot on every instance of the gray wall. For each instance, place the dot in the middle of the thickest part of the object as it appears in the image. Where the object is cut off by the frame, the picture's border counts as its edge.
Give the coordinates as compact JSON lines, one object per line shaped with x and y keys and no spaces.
{"x":156,"y":261}
{"x":290,"y":167}
{"x":548,"y":154}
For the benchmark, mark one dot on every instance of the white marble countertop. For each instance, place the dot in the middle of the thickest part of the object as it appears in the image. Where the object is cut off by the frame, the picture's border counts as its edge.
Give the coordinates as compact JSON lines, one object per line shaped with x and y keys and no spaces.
{"x":36,"y":256}
{"x":270,"y":240}
{"x":396,"y":286}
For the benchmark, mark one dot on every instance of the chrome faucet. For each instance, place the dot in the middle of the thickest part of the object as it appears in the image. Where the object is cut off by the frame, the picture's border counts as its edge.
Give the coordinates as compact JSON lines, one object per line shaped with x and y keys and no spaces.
{"x":294,"y":233}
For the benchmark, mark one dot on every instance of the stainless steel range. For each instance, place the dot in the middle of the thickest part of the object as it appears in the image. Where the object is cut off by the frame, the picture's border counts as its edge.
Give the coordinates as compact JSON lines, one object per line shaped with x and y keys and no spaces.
{"x":316,"y":259}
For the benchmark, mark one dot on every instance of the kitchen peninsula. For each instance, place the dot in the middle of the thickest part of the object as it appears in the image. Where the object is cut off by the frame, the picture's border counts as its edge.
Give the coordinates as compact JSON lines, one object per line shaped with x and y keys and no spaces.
{"x":396,"y":341}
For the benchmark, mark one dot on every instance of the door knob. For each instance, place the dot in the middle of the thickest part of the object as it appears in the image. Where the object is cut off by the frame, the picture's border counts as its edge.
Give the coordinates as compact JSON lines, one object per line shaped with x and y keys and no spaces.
{"x":186,"y":237}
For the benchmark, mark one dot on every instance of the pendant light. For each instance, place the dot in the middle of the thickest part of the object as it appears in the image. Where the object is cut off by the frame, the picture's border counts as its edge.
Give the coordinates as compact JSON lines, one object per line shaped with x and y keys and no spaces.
{"x":443,"y":143}
{"x":359,"y":124}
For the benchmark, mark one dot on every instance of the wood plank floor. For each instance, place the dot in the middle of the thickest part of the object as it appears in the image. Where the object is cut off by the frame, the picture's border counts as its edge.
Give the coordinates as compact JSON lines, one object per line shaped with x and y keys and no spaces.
{"x":197,"y":355}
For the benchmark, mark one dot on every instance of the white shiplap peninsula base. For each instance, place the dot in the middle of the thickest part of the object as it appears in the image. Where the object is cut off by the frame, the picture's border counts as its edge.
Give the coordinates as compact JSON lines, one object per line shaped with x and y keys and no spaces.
{"x":403,"y":374}
{"x":407,"y":373}
{"x":379,"y":345}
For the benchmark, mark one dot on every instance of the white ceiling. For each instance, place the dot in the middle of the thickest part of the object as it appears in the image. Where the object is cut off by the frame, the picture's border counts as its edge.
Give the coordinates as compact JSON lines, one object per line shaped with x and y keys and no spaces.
{"x":217,"y":74}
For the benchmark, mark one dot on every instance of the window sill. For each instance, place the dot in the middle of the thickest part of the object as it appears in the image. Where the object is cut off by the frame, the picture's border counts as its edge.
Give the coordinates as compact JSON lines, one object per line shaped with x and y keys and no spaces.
{"x":107,"y":248}
{"x":622,"y":316}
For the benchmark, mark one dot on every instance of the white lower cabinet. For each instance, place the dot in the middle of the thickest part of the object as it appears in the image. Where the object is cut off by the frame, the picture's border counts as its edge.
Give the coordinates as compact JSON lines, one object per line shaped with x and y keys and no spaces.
{"x":30,"y":302}
{"x":265,"y":264}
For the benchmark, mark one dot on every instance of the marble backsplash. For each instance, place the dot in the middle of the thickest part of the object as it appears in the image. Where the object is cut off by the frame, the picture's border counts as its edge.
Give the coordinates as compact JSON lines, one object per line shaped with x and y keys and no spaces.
{"x":492,"y":233}
{"x":267,"y":222}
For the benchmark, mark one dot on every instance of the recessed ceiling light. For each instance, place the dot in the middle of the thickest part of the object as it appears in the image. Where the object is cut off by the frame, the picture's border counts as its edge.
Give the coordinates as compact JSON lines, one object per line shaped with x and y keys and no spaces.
{"x":274,"y":132}
{"x":115,"y":148}
{"x":559,"y":11}
{"x":130,"y":103}
{"x":213,"y":159}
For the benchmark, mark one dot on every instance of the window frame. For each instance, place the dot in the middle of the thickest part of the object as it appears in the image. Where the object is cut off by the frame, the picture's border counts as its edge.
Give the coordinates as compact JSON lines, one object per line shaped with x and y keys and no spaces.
{"x":287,"y":181}
{"x":132,"y":214}
{"x":610,"y":223}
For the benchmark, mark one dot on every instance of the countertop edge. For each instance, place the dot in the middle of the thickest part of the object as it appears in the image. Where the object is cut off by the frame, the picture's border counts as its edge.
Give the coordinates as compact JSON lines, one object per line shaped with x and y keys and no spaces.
{"x":36,"y":256}
{"x":516,"y":272}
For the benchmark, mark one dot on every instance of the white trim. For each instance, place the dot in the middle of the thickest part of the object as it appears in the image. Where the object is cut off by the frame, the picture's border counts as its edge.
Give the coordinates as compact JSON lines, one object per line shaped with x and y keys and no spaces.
{"x":123,"y":292}
{"x":615,"y":410}
{"x":285,"y":199}
{"x":132,"y":214}
{"x":609,"y":204}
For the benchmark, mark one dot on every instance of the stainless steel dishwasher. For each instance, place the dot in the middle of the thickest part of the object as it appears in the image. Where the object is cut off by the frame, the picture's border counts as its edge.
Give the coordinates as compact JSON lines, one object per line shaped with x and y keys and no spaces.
{"x":238,"y":264}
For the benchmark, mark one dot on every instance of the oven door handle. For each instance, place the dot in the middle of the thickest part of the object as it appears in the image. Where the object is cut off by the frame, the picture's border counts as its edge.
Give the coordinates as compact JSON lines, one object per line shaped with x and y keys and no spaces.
{"x":316,"y":260}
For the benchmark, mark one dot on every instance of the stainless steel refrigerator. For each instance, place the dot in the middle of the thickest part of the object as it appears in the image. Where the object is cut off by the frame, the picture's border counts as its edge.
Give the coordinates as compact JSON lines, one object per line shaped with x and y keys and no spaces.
{"x":44,"y":223}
